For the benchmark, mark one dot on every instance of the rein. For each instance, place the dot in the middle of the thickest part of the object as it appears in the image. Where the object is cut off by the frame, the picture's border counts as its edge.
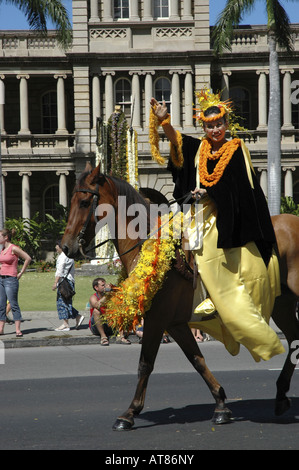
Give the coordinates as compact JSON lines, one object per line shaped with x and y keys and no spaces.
{"x":96,"y":196}
{"x":92,"y":209}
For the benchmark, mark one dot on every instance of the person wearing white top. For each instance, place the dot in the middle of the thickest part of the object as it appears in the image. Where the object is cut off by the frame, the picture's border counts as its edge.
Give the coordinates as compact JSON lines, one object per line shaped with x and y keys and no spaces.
{"x":65,"y":267}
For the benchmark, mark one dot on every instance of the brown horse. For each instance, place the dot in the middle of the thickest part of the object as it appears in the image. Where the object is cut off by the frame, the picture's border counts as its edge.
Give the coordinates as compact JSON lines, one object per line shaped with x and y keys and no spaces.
{"x":171,"y":307}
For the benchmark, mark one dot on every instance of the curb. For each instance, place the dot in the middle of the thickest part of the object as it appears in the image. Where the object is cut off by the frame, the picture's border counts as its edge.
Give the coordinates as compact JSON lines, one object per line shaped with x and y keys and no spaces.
{"x":59,"y":341}
{"x":73,"y":341}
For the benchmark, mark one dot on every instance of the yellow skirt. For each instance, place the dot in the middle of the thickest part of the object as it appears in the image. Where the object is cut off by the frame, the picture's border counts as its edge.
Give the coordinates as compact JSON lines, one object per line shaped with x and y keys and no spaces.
{"x":242,"y":290}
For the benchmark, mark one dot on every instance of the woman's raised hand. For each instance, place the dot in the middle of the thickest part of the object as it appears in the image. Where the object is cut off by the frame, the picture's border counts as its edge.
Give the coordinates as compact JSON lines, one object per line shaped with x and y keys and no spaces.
{"x":160,"y":110}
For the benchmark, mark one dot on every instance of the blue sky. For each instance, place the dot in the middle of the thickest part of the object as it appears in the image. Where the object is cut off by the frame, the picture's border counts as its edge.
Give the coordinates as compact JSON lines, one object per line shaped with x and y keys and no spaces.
{"x":11,"y":18}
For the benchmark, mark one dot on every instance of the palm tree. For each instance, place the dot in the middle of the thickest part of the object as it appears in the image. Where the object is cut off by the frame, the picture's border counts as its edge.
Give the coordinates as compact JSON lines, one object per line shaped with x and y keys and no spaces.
{"x":37,"y":12}
{"x":279,"y":34}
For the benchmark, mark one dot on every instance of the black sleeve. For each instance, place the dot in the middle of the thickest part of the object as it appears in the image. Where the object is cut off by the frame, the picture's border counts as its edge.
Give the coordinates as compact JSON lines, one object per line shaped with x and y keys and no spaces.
{"x":243,"y":213}
{"x":185,"y":178}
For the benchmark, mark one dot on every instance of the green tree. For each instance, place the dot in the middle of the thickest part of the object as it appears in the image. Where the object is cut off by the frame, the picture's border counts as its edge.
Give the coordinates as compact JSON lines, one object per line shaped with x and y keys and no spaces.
{"x":38,"y":12}
{"x":279,"y":34}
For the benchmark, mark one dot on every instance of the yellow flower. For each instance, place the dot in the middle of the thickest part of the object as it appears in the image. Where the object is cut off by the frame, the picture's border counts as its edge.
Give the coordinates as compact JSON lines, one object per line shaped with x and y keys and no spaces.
{"x":125,"y":307}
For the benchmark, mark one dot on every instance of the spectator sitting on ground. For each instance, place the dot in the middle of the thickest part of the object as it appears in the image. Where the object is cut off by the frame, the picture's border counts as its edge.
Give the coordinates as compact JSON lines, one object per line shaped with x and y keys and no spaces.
{"x":139,"y":332}
{"x":96,"y":325}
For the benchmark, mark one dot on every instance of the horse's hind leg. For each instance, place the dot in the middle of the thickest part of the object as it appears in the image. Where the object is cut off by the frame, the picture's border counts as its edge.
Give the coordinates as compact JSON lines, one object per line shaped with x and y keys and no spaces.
{"x":150,"y":346}
{"x":182,"y":334}
{"x":284,"y":316}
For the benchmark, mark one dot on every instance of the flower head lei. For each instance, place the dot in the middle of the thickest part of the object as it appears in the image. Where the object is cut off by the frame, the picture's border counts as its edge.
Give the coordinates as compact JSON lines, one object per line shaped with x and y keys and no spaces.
{"x":206,"y":100}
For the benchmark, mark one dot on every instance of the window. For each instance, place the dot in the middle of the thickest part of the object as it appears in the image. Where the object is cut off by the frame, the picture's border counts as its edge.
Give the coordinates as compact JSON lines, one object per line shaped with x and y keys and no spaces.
{"x":296,"y":193}
{"x":295,"y":116}
{"x":163,"y":91}
{"x":161,"y":8}
{"x":241,"y":100}
{"x":121,"y":9}
{"x":123,"y":96}
{"x":49,"y":112}
{"x":51,"y":198}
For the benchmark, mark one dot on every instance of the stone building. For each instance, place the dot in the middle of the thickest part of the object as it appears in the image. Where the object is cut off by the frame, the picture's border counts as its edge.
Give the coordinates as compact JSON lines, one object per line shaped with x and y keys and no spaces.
{"x":123,"y":53}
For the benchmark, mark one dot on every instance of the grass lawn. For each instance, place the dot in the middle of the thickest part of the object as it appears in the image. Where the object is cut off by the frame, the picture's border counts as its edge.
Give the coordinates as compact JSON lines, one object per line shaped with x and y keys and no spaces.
{"x":35,"y":292}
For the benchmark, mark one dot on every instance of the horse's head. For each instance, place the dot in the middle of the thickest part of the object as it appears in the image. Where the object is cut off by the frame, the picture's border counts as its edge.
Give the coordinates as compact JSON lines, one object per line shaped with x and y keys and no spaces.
{"x":91,"y":188}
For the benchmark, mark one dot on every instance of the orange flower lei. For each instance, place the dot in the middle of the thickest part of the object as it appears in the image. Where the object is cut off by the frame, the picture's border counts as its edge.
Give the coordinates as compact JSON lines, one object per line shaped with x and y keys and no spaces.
{"x":224,"y":154}
{"x":213,"y":118}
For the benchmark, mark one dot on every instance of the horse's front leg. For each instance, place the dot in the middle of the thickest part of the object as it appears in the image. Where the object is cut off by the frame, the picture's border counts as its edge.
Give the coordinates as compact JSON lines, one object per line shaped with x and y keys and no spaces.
{"x":125,"y":422}
{"x":150,"y":346}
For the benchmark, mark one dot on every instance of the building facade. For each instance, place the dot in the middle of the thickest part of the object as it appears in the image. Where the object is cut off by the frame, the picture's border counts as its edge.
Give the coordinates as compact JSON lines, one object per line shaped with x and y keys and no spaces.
{"x":123,"y":53}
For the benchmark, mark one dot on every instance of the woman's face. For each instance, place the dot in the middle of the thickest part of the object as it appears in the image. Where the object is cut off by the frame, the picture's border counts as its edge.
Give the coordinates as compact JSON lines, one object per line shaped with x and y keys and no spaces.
{"x":58,"y":249}
{"x":3,"y":239}
{"x":216,"y":130}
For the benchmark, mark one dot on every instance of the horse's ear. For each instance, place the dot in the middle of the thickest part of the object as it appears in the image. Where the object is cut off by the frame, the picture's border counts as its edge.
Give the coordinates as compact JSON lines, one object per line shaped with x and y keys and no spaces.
{"x":98,"y":176}
{"x":88,"y":168}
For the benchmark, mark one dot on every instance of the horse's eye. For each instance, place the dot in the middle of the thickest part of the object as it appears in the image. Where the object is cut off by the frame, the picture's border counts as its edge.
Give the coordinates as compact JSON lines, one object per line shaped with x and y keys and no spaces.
{"x":84,"y":204}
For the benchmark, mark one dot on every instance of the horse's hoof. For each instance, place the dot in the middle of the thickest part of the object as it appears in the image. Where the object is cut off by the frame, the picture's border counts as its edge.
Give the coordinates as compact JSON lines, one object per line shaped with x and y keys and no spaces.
{"x":122,"y":425}
{"x":281,"y":406}
{"x":222,"y":417}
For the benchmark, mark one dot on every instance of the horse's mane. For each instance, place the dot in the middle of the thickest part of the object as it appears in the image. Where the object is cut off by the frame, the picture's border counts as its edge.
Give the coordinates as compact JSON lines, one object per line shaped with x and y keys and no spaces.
{"x":123,"y":188}
{"x":127,"y":190}
{"x":81,"y":180}
{"x":132,"y":196}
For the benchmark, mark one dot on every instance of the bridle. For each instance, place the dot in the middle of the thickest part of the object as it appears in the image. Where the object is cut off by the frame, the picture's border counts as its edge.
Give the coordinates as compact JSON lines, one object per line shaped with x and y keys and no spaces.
{"x":92,"y":209}
{"x":93,"y":206}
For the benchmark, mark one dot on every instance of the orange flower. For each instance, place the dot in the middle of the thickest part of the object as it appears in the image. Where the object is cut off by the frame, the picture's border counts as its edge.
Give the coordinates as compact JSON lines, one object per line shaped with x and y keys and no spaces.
{"x":213,"y":118}
{"x":224,"y":154}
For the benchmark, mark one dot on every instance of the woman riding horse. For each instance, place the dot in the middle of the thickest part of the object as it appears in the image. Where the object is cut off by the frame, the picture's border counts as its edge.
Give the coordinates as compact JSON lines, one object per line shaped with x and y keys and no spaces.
{"x":235,"y":255}
{"x":171,"y":306}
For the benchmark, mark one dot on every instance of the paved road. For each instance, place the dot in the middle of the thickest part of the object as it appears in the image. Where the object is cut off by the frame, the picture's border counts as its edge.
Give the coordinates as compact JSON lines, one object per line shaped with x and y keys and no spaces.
{"x":69,"y":397}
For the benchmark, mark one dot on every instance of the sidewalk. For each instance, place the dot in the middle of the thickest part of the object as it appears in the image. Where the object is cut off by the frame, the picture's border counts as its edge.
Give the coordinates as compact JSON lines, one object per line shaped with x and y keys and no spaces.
{"x":39,"y":330}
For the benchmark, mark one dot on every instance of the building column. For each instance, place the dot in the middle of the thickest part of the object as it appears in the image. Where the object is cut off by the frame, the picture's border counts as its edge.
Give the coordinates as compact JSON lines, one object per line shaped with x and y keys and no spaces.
{"x":174,"y":10}
{"x":262,"y":99}
{"x":136,"y":103}
{"x":148,"y":93}
{"x":264,"y":181}
{"x":2,"y":103}
{"x":288,"y":181}
{"x":225,"y":85}
{"x":94,"y":11}
{"x":147,"y":10}
{"x":134,"y":14}
{"x":25,"y":194}
{"x":62,"y":187}
{"x":61,"y":119}
{"x":24,"y":110}
{"x":175,"y":100}
{"x":189,"y":100}
{"x":109,"y":95}
{"x":96,"y":100}
{"x":286,"y":99}
{"x":107,"y":11}
{"x":187,"y":10}
{"x":4,"y":174}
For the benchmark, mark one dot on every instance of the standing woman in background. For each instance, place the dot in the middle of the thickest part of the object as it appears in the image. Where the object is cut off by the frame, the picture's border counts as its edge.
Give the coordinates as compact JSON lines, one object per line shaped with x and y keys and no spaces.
{"x":65,"y":268}
{"x":9,"y":278}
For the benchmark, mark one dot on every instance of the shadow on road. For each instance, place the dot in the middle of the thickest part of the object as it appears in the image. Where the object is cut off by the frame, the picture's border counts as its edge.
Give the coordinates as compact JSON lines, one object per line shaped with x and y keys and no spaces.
{"x":256,"y":411}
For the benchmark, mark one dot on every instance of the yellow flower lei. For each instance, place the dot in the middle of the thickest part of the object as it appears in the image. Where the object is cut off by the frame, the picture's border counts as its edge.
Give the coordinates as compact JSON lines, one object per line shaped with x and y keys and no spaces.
{"x":224,"y":155}
{"x":154,"y":140}
{"x":133,"y":297}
